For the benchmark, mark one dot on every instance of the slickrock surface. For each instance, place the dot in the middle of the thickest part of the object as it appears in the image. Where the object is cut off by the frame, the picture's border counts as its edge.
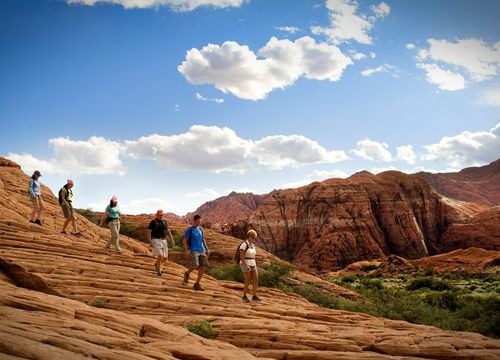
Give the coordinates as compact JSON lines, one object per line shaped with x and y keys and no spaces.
{"x":144,"y":313}
{"x":474,"y":184}
{"x":468,"y":260}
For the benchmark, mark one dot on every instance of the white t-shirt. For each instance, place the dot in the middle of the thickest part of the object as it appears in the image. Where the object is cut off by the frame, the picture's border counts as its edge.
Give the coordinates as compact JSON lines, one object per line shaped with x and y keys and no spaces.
{"x":249,"y":258}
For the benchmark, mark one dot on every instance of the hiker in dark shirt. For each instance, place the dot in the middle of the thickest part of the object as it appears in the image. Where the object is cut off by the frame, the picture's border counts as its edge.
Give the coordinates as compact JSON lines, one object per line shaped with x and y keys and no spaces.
{"x":157,"y":236}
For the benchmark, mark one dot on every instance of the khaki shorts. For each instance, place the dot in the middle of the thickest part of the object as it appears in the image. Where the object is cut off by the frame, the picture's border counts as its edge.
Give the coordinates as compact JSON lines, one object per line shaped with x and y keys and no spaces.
{"x":160,"y":247}
{"x":246,"y":268}
{"x":199,"y":258}
{"x":68,"y":211}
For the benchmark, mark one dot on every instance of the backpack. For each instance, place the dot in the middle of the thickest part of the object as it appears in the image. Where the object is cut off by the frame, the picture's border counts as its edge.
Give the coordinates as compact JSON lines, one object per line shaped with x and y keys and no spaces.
{"x":191,"y":234}
{"x":237,"y":256}
{"x":67,"y":194}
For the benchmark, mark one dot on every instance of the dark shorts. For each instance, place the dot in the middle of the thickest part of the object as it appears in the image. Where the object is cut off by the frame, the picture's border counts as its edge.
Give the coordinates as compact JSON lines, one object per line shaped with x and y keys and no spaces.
{"x":199,"y":258}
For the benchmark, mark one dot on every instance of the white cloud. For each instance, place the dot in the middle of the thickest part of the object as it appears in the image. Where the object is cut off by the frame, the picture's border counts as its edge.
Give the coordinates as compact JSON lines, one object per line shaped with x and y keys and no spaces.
{"x":221,"y":149}
{"x":384,"y":68}
{"x":405,"y":153}
{"x":445,"y":79}
{"x":177,"y":108}
{"x":356,"y":55}
{"x":491,"y":97}
{"x":288,"y":29}
{"x":202,"y":147}
{"x":479,"y":60}
{"x":279,"y":151}
{"x":215,"y":100}
{"x":346,"y":24}
{"x":205,"y":193}
{"x":410,"y":46}
{"x":372,"y":55}
{"x":378,"y":170}
{"x":177,"y":5}
{"x":316,"y":175}
{"x":466,"y":149}
{"x":234,"y":68}
{"x":96,"y":155}
{"x":381,"y":10}
{"x":372,"y":150}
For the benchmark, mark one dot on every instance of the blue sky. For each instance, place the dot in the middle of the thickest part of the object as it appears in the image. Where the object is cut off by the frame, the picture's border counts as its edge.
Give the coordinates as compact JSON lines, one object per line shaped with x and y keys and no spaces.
{"x":165,"y":103}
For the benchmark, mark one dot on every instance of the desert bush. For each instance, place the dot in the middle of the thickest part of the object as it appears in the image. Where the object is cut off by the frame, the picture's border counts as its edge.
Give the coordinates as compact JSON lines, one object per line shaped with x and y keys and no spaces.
{"x":89,"y":215}
{"x":98,"y":302}
{"x":429,"y":282}
{"x":369,"y":267}
{"x":350,"y":279}
{"x":274,"y":273}
{"x":227,"y":272}
{"x":201,"y":327}
{"x":371,"y":283}
{"x":429,"y":272}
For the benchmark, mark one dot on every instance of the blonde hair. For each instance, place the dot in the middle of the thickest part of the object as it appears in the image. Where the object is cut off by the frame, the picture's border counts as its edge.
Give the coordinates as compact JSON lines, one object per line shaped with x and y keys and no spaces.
{"x":252,"y":233}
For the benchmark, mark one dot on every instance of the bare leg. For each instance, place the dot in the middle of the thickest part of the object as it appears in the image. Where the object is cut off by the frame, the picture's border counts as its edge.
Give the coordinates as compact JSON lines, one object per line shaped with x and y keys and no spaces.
{"x":247,"y":283}
{"x":66,"y":224}
{"x":35,"y":208}
{"x":255,"y":280}
{"x":201,"y":271}
{"x":159,"y":261}
{"x":41,"y":207}
{"x":73,"y":222}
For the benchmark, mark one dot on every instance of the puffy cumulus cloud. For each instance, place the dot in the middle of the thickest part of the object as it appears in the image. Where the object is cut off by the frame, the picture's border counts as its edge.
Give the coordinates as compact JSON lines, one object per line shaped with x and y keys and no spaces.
{"x":279,"y":151}
{"x":177,"y":5}
{"x":97,"y":156}
{"x":381,"y":10}
{"x":410,"y":46}
{"x":202,"y":147}
{"x":479,"y":60}
{"x":316,"y":175}
{"x":234,"y":68}
{"x":384,"y":68}
{"x":372,"y":150}
{"x":356,"y":55}
{"x":444,"y":79}
{"x":466,"y":149}
{"x":220,"y":149}
{"x":346,"y":24}
{"x":288,"y":29}
{"x":215,"y":100}
{"x":405,"y":153}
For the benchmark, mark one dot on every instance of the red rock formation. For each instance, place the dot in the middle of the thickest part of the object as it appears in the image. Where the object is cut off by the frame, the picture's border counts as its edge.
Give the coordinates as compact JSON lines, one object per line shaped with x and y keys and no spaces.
{"x":328,"y":225}
{"x":481,"y":230}
{"x":474,"y":184}
{"x":227,"y":209}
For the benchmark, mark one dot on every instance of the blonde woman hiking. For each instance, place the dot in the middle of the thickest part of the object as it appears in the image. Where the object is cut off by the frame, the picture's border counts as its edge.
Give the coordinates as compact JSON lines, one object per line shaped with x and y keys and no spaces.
{"x":111,"y":216}
{"x":35,"y":194}
{"x":247,"y":251}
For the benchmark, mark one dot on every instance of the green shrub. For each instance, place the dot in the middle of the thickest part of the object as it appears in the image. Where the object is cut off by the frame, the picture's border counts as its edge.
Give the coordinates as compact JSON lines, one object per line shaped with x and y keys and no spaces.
{"x":429,"y":272}
{"x":98,"y":302}
{"x":372,"y":283}
{"x":89,"y":215}
{"x":350,"y":278}
{"x":429,"y":282}
{"x":227,"y":272}
{"x":444,"y":299}
{"x":274,"y":273}
{"x":202,"y":328}
{"x":369,"y":267}
{"x":178,"y":240}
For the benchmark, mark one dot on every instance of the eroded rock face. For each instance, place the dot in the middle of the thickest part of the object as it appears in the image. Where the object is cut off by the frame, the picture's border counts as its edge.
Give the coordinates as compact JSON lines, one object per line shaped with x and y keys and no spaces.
{"x":328,"y":225}
{"x":144,"y":314}
{"x":474,"y":184}
{"x":227,"y":209}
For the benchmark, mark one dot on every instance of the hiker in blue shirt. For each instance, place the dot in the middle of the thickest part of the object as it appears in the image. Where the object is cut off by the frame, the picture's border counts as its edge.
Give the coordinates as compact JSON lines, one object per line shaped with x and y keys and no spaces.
{"x":195,"y":248}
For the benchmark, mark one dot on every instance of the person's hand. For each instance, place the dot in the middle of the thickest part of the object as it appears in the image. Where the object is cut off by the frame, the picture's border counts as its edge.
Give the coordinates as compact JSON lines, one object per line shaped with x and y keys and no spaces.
{"x":186,"y":254}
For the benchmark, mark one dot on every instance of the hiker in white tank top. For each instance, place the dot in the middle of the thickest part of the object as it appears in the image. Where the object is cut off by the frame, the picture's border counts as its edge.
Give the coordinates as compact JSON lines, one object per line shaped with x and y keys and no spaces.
{"x":248,"y":266}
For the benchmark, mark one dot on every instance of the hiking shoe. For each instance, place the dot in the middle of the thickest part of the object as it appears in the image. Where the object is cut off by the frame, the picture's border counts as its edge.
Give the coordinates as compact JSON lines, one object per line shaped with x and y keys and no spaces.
{"x":77,"y":233}
{"x":245,"y":299}
{"x":186,"y":278}
{"x":64,"y":232}
{"x":256,"y":298}
{"x":38,"y":222}
{"x":32,"y":221}
{"x":198,"y":287}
